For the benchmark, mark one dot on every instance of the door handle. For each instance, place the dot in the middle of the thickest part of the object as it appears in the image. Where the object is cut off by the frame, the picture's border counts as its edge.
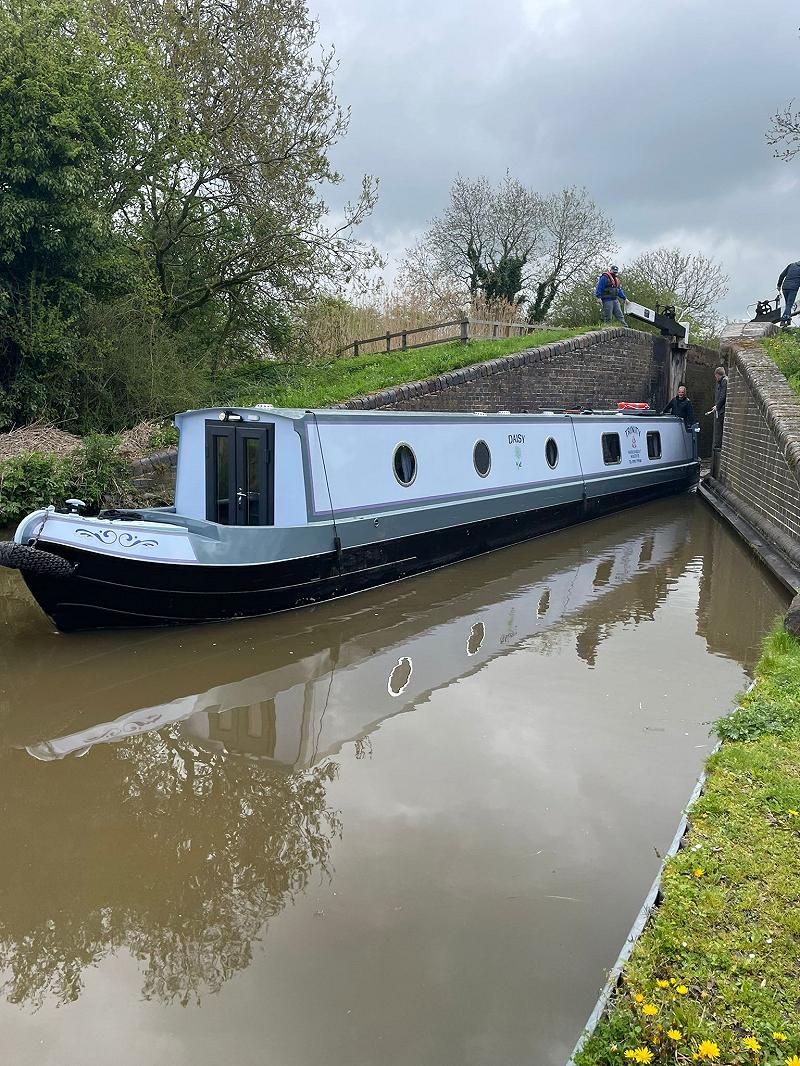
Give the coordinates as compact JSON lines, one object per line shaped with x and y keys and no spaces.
{"x":240,"y":495}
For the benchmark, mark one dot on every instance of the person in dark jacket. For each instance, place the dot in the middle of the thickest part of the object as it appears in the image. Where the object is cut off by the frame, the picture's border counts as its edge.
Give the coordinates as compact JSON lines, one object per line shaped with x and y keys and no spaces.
{"x":789,"y":283}
{"x":681,"y":406}
{"x":722,"y":394}
{"x":718,"y":411}
{"x":609,"y":292}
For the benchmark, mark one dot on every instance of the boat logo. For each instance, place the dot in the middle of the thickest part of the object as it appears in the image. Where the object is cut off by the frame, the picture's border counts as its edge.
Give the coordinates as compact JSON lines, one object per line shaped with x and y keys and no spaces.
{"x":516,"y":438}
{"x":518,"y":456}
{"x":632,"y":434}
{"x":110,"y":536}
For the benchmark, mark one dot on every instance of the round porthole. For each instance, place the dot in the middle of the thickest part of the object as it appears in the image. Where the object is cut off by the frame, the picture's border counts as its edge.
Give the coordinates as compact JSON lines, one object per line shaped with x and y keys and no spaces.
{"x":482,"y":458}
{"x":404,"y":464}
{"x":551,"y":453}
{"x":400,"y":676}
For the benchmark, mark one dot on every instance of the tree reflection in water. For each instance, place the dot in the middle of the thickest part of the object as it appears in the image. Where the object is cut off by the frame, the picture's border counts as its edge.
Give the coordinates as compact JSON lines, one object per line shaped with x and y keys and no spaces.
{"x":153,"y":846}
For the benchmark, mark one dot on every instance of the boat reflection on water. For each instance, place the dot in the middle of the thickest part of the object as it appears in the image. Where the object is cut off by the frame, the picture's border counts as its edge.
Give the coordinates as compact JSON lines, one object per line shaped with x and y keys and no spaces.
{"x":304,"y":710}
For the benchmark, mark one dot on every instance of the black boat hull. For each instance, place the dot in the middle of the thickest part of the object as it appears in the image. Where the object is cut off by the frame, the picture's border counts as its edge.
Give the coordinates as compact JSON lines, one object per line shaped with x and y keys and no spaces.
{"x":106,"y":591}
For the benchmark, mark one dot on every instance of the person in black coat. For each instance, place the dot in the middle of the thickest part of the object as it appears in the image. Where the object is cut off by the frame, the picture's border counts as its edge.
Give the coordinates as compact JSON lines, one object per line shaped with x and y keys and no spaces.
{"x":681,"y":406}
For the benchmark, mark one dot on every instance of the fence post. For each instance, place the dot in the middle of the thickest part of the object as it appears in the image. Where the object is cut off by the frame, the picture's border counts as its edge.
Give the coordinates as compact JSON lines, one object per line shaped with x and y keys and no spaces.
{"x":355,"y":349}
{"x":388,"y":341}
{"x":404,"y":336}
{"x":464,"y":329}
{"x":494,"y":330}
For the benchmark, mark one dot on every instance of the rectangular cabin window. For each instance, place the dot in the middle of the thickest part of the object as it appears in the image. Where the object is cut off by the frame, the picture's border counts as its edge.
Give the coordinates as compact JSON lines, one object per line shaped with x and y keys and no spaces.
{"x":252,"y":482}
{"x":222,"y":470}
{"x":654,"y":445}
{"x":612,"y":452}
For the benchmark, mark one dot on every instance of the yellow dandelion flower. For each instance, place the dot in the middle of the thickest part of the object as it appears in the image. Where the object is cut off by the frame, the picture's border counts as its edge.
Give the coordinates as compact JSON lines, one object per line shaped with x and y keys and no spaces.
{"x":779,"y":1036}
{"x":650,"y":1009}
{"x":639,"y":997}
{"x":643,"y":1054}
{"x":709,"y":1050}
{"x":663,"y":984}
{"x":794,"y":814}
{"x":793,"y":1061}
{"x":675,"y":1034}
{"x":699,"y":871}
{"x":682,"y":990}
{"x":751,"y":1043}
{"x":672,"y":981}
{"x":629,"y":1054}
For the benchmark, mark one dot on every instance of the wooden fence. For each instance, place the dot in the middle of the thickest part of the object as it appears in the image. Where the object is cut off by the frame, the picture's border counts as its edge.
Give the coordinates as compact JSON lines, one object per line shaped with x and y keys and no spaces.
{"x":468,"y":329}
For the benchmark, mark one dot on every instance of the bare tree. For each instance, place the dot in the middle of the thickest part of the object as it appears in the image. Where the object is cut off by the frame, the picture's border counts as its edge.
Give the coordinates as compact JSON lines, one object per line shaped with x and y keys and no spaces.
{"x":507,"y":243}
{"x":577,"y":235}
{"x":693,"y":284}
{"x":482,"y":228}
{"x":784,"y":133}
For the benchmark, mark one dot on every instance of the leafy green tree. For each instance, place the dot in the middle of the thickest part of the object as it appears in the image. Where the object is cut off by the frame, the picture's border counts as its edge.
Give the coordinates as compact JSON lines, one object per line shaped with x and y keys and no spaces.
{"x":231,"y":161}
{"x":161,"y":171}
{"x":575,"y":304}
{"x":62,"y":115}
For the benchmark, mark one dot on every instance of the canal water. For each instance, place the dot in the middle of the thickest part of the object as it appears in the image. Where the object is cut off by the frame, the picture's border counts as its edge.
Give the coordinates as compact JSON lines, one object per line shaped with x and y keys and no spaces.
{"x":412,"y":827}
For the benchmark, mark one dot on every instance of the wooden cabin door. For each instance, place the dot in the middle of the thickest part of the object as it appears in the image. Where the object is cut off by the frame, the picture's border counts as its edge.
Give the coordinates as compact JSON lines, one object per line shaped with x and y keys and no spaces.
{"x":240,"y":474}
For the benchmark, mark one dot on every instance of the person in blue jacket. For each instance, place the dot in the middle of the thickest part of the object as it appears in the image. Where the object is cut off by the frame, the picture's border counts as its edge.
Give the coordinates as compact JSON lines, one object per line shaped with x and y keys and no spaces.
{"x":609,"y":292}
{"x":789,"y":283}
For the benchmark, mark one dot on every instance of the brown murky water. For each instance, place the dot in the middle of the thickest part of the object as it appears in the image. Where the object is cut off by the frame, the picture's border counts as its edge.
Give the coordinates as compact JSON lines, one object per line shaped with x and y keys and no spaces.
{"x":412,"y":827}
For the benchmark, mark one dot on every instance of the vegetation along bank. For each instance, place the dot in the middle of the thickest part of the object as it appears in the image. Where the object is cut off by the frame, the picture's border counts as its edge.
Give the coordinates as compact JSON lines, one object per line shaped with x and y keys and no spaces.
{"x":784,"y":349}
{"x":714,"y":977}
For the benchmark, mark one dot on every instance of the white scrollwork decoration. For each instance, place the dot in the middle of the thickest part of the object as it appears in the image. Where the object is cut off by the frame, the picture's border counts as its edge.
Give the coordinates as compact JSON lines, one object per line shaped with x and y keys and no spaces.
{"x":110,"y":536}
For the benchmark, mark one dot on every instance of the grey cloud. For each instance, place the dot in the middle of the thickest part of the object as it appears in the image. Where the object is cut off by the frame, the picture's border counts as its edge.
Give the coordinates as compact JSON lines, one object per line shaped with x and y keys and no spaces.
{"x":659,"y":109}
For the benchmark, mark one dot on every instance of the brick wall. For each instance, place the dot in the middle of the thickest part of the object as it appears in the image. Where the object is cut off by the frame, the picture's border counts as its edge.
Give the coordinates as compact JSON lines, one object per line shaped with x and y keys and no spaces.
{"x":760,"y":462}
{"x":595,"y":370}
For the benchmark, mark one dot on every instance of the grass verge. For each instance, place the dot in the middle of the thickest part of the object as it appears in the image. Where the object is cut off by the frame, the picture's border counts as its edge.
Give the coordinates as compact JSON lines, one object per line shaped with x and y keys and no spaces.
{"x":322,"y":384}
{"x":715,"y":976}
{"x":784,"y":350}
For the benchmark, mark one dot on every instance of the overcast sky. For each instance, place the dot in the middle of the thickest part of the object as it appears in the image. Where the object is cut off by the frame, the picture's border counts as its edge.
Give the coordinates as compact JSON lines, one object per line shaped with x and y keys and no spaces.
{"x":659,"y":108}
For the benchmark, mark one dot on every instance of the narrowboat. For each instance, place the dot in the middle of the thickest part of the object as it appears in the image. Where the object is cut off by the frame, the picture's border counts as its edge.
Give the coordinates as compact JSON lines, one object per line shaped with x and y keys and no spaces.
{"x":276,"y":509}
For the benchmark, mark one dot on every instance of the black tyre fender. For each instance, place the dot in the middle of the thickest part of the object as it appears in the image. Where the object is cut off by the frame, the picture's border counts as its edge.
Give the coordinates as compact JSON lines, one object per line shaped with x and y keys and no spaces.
{"x":33,"y":560}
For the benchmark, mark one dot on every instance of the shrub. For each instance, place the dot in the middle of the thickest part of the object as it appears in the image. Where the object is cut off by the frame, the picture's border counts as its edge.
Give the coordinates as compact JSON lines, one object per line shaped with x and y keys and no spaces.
{"x":96,"y":473}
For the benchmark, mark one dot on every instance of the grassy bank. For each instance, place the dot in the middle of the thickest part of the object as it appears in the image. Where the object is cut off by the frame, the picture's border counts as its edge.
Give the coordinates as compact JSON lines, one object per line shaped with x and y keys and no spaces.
{"x":322,"y":384}
{"x":784,"y":349}
{"x":715,"y":976}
